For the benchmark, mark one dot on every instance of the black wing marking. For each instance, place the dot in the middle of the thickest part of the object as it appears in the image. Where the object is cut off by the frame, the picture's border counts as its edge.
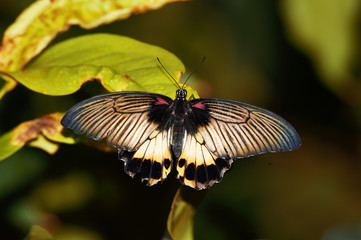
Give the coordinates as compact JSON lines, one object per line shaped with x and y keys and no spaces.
{"x":221,"y":131}
{"x":134,"y":122}
{"x":197,"y":166}
{"x":152,"y":160}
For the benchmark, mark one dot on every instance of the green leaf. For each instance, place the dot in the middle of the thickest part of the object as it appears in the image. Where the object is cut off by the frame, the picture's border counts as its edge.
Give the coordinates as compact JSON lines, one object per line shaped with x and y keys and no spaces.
{"x":118,"y":63}
{"x":180,"y":219}
{"x":42,"y":21}
{"x":40,"y":132}
{"x":6,"y":147}
{"x":39,"y":233}
{"x":6,"y":84}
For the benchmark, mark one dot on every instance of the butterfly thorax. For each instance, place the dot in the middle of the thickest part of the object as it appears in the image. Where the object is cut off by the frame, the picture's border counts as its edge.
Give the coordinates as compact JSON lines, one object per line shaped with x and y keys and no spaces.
{"x":180,"y":105}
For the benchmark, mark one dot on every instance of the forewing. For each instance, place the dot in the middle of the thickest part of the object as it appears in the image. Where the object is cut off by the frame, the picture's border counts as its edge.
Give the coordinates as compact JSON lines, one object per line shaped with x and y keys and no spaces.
{"x":220,"y":131}
{"x":134,"y":122}
{"x":124,"y":119}
{"x":237,"y":130}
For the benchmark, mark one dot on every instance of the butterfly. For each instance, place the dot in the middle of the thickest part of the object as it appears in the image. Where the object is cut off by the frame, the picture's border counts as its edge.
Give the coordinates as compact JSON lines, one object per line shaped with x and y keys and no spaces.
{"x":199,"y":137}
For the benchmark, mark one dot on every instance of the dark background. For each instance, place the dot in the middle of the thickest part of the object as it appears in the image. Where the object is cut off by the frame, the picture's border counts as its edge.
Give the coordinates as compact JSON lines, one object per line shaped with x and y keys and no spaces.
{"x":256,"y":52}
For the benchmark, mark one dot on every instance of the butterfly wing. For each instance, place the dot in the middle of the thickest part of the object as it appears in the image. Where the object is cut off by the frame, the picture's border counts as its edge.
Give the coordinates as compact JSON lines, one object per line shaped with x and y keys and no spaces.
{"x":135,"y":123}
{"x":220,"y":131}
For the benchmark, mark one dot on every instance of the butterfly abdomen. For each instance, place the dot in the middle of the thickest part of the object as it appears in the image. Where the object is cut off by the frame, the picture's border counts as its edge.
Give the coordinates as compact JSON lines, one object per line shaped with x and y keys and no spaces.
{"x":177,"y":138}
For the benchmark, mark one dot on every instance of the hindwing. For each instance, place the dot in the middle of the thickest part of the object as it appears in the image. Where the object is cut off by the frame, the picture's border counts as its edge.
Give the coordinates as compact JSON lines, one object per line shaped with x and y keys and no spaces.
{"x":197,"y":166}
{"x":152,"y":159}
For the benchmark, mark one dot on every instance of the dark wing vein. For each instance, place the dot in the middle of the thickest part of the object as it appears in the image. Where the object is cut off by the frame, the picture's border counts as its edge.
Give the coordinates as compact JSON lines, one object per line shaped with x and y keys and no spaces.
{"x":239,"y":130}
{"x":122,"y":118}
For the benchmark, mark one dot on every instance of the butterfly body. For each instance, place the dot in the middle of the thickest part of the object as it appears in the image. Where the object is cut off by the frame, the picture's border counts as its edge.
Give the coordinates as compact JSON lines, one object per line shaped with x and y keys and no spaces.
{"x":200,"y":138}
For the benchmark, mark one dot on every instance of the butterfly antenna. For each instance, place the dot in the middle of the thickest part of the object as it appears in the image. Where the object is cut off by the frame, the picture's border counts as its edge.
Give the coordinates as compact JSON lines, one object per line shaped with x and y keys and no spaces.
{"x":204,"y":58}
{"x":168,"y":73}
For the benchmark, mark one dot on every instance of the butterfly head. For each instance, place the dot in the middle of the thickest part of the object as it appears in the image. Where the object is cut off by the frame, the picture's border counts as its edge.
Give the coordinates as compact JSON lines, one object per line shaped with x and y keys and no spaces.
{"x":181,"y":93}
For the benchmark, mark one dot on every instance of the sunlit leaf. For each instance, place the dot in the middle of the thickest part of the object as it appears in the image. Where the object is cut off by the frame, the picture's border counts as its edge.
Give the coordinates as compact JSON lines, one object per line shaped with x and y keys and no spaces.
{"x":6,"y":85}
{"x":44,"y":144}
{"x":119,"y":63}
{"x":39,"y":233}
{"x":45,"y":127}
{"x":180,"y":219}
{"x":43,"y":20}
{"x":36,"y":26}
{"x":6,"y":148}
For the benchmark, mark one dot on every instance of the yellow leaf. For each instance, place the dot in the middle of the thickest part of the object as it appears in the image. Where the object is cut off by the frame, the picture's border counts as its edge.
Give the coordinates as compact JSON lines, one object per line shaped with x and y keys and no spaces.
{"x":119,"y":63}
{"x":7,"y":84}
{"x":40,"y":23}
{"x":44,"y":144}
{"x":39,"y":233}
{"x":37,"y":132}
{"x":180,"y":219}
{"x":44,"y":19}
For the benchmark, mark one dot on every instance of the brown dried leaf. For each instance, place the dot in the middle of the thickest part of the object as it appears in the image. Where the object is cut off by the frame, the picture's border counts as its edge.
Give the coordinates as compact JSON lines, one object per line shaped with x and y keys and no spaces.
{"x":44,"y":132}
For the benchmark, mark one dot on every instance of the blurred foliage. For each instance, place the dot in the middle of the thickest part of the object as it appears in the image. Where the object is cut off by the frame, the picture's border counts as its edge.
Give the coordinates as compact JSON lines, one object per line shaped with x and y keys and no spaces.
{"x":329,"y":33}
{"x":300,"y":59}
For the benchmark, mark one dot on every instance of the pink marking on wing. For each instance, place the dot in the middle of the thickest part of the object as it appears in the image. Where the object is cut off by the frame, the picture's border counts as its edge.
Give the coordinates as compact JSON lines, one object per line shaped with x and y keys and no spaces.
{"x":161,"y":102}
{"x":199,"y":105}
